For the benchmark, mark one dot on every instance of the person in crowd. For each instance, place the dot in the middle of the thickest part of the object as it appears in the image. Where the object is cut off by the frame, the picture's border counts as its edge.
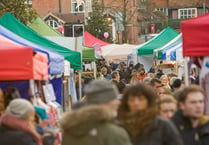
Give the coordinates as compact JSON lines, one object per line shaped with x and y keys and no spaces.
{"x":138,"y":114}
{"x":164,"y":90}
{"x":193,"y":77}
{"x":134,"y":77}
{"x":147,"y":80}
{"x":2,"y":108}
{"x":105,"y":74}
{"x":155,"y":84}
{"x":151,"y":75}
{"x":177,"y":84}
{"x":129,"y":73}
{"x":142,"y":74}
{"x":164,"y":81}
{"x":122,"y":72}
{"x":159,"y":73}
{"x":91,"y":122}
{"x":115,"y":77}
{"x":172,"y":79}
{"x":167,"y":106}
{"x":152,"y":69}
{"x":190,"y":119}
{"x":10,"y":94}
{"x":17,"y":124}
{"x":121,"y":87}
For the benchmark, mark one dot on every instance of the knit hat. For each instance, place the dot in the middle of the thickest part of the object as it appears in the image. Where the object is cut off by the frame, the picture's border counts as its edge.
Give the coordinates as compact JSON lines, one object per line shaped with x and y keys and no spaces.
{"x":19,"y":108}
{"x":100,"y":91}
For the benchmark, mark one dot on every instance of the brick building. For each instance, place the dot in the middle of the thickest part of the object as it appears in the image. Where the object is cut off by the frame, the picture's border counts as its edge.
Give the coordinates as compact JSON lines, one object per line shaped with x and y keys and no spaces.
{"x":139,"y":13}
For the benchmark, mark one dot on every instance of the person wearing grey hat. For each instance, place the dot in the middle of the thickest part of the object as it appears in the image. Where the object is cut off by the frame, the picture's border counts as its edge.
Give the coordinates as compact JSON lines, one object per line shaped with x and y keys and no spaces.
{"x":90,"y":122}
{"x":102,"y":92}
{"x":16,"y":124}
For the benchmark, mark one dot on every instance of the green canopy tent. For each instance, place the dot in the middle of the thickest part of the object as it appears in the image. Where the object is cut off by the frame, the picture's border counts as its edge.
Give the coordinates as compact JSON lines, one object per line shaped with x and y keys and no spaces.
{"x":88,"y":54}
{"x":11,"y":23}
{"x":163,"y":38}
{"x":43,"y":28}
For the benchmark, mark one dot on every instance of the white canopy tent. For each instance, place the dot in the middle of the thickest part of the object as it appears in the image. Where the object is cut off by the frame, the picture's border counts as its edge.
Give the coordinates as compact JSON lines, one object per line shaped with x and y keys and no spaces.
{"x":117,"y":52}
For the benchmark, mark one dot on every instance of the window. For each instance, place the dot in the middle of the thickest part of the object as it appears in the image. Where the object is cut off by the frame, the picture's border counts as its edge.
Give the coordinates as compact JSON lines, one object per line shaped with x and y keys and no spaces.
{"x":187,"y":13}
{"x":81,"y":8}
{"x":164,"y":10}
{"x":53,"y":24}
{"x":28,"y":2}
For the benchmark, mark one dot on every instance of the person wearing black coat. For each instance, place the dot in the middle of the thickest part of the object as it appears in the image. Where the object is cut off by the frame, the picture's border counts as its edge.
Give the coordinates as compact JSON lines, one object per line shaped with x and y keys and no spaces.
{"x":190,"y":135}
{"x":139,"y":116}
{"x":190,"y":120}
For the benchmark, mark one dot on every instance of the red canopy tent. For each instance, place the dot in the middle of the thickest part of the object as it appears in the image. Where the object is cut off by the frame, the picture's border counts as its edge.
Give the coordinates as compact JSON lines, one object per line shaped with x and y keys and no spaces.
{"x":195,"y":36}
{"x":90,"y":40}
{"x":18,"y":62}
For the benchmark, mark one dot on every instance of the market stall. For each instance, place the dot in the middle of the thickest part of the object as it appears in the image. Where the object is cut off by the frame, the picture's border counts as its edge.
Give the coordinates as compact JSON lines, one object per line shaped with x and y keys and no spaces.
{"x":196,"y":49}
{"x":11,"y":23}
{"x":117,"y":52}
{"x":56,"y":60}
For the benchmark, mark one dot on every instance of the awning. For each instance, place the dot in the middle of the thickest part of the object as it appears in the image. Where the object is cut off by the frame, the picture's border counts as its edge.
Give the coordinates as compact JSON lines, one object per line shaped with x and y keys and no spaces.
{"x":117,"y":52}
{"x":90,"y":40}
{"x":56,"y":60}
{"x":195,"y":36}
{"x":11,"y":23}
{"x":43,"y":28}
{"x":16,"y":62}
{"x":163,"y":38}
{"x":39,"y":63}
{"x":168,"y":51}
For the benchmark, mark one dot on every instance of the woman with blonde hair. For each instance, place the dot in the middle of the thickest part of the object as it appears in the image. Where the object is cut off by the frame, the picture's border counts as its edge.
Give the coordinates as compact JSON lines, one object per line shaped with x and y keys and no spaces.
{"x":134,"y":77}
{"x":164,"y":81}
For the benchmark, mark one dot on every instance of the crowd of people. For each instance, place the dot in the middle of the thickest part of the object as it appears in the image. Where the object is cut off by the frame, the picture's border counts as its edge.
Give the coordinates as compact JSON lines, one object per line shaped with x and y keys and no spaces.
{"x":151,"y":108}
{"x":125,"y":106}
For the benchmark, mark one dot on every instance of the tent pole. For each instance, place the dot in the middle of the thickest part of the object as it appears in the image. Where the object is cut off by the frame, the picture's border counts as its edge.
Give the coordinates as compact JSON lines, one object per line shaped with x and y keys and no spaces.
{"x":80,"y":93}
{"x":186,"y":71}
{"x":95,"y":70}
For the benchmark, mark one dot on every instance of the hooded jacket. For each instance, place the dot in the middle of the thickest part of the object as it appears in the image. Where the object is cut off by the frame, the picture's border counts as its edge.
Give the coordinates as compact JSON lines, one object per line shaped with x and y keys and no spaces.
{"x":190,"y":135}
{"x":92,"y":125}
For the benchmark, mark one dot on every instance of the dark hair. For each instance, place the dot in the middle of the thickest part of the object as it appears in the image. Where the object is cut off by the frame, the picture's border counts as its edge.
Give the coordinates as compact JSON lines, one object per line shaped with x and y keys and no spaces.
{"x":114,"y":74}
{"x":10,"y":94}
{"x":153,"y":81}
{"x":87,"y":80}
{"x":177,"y":83}
{"x":139,"y":90}
{"x":190,"y":89}
{"x":121,"y":87}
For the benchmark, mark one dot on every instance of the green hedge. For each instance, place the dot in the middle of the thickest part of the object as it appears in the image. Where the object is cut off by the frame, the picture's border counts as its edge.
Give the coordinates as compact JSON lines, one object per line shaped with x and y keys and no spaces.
{"x":173,"y":23}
